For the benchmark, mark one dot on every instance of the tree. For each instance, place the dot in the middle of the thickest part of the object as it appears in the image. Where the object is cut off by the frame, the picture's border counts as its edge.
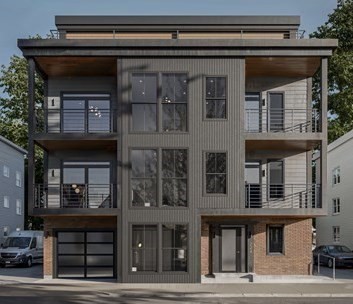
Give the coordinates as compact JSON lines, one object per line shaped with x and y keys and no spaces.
{"x":340,"y":70}
{"x":14,"y":111}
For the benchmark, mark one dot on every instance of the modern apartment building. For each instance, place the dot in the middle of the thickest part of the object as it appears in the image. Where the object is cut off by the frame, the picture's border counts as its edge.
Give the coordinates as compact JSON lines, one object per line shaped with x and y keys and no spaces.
{"x":177,"y":146}
{"x":11,"y":187}
{"x":337,"y":226}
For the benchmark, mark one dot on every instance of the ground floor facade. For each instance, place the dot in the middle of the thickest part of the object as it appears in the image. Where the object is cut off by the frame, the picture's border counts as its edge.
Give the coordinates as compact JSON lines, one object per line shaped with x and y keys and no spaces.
{"x":100,"y":247}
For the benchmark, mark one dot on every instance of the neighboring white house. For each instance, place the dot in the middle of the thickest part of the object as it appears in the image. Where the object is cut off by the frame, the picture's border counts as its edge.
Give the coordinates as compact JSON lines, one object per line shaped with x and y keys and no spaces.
{"x":337,"y":227}
{"x":11,"y":187}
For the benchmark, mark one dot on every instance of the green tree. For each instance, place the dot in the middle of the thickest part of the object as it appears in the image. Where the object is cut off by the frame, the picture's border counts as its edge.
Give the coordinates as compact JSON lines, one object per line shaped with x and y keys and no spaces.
{"x":340,"y":70}
{"x":14,"y":112}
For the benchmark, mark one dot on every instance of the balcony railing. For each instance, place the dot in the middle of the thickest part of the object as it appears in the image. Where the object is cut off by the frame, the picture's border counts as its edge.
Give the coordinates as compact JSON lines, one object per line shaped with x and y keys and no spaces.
{"x":283,"y":196}
{"x":282,"y":120}
{"x":75,"y":120}
{"x":74,"y":196}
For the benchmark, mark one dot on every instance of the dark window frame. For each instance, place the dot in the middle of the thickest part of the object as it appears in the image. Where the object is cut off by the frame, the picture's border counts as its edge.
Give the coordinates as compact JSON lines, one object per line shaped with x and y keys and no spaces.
{"x":268,"y":240}
{"x":205,"y":98}
{"x":205,"y":193}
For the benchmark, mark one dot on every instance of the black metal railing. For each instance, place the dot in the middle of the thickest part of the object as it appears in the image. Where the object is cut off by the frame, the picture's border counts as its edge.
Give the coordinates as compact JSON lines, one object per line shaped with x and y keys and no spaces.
{"x":282,"y":120}
{"x":92,"y":120}
{"x":74,"y":196}
{"x":283,"y":196}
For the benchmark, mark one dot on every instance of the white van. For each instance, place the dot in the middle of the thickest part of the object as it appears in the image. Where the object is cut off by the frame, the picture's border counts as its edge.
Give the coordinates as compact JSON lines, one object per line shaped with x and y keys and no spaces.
{"x":22,"y":248}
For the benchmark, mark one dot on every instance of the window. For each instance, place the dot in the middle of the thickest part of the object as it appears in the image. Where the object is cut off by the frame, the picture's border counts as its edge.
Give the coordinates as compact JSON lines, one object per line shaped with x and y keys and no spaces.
{"x":144,"y":177}
{"x":6,"y":171}
{"x":336,"y":234}
{"x":174,"y":102}
{"x":18,"y":207}
{"x":175,"y":243}
{"x":6,"y":202}
{"x":336,"y":176}
{"x":275,"y":239}
{"x":174,"y":177}
{"x":216,"y":97}
{"x":216,"y":173}
{"x":170,"y":104}
{"x":18,"y":179}
{"x":6,"y":231}
{"x":144,"y":102}
{"x":336,"y":205}
{"x":144,"y":248}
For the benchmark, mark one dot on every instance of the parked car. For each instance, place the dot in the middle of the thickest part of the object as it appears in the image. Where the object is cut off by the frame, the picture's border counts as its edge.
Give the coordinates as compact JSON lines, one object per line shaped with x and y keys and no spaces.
{"x":22,"y":248}
{"x":342,"y":254}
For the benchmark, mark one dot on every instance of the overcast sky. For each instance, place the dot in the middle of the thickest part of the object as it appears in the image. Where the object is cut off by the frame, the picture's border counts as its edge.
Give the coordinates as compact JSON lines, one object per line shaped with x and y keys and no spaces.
{"x":21,"y":18}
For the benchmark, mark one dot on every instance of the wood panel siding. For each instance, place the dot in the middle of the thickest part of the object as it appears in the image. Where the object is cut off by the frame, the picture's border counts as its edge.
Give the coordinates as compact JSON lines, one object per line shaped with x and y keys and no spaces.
{"x":232,"y":35}
{"x":118,"y":35}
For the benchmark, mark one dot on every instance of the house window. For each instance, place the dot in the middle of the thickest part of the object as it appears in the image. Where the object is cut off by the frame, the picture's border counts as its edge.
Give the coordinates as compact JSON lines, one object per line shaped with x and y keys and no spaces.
{"x":18,"y":179}
{"x":18,"y":207}
{"x":174,"y":102}
{"x":144,"y":248}
{"x":174,"y":177}
{"x":6,"y":231}
{"x":336,"y":176}
{"x":275,"y":239}
{"x":216,"y":173}
{"x":175,"y":244}
{"x":170,"y":104}
{"x":336,"y":234}
{"x":144,"y":102}
{"x":216,"y":98}
{"x":6,"y":171}
{"x":144,"y":177}
{"x":336,"y":205}
{"x":6,"y":202}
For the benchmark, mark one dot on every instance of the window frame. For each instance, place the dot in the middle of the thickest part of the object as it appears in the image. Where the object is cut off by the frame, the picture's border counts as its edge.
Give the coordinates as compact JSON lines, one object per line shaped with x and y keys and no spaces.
{"x":204,"y":99}
{"x":336,"y":234}
{"x":336,"y":176}
{"x":18,"y":207}
{"x":205,"y":193}
{"x":268,"y":227}
{"x":336,"y":206}
{"x":6,"y":171}
{"x":18,"y":180}
{"x":6,"y":199}
{"x":159,"y":103}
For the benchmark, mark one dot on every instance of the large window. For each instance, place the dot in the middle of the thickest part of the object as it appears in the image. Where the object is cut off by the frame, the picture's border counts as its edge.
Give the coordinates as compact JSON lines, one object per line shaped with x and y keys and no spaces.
{"x":144,"y":177}
{"x":336,"y":205}
{"x":18,"y":207}
{"x":175,"y":243}
{"x":275,"y":239}
{"x":6,"y":202}
{"x":336,"y":234}
{"x":170,"y":104}
{"x":6,"y":171}
{"x":216,"y":173}
{"x":18,"y":179}
{"x":174,"y":177}
{"x":216,"y":101}
{"x":336,"y":176}
{"x":144,"y":248}
{"x":171,"y":177}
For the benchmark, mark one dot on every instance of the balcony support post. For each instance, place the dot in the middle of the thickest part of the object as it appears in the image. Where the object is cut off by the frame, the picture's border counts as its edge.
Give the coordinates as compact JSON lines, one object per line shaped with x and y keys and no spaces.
{"x":31,"y":127}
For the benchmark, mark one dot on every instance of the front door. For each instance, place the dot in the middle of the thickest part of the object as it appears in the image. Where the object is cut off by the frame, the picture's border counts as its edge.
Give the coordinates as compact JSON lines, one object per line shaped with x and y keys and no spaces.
{"x":233,"y":249}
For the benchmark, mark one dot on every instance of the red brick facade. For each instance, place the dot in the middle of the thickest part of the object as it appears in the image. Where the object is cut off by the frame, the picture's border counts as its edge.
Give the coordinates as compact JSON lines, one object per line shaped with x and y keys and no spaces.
{"x":69,"y":222}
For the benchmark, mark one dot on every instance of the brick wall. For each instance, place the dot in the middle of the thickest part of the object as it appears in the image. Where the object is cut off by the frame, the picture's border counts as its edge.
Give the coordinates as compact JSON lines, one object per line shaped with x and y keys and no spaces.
{"x":204,"y":248}
{"x":51,"y":223}
{"x":297,"y":248}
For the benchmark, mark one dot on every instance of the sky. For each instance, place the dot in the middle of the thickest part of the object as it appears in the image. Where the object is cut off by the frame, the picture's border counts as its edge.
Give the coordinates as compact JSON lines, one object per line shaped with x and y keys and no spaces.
{"x":22,"y":18}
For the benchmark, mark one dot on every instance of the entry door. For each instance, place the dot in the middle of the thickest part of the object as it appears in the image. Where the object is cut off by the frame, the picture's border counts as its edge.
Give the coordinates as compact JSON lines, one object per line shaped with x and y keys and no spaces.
{"x":253,"y":184}
{"x":252,"y":112}
{"x":276,"y":112}
{"x":233,"y":257}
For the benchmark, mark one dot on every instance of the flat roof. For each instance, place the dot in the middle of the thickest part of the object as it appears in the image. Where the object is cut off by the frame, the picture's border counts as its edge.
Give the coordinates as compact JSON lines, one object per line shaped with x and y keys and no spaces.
{"x":177,"y":20}
{"x":12,"y":145}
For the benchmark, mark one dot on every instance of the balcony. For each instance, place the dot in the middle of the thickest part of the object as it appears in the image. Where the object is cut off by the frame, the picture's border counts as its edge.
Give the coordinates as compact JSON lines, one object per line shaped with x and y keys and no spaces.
{"x":282,"y":121}
{"x":82,"y":196}
{"x":294,"y":196}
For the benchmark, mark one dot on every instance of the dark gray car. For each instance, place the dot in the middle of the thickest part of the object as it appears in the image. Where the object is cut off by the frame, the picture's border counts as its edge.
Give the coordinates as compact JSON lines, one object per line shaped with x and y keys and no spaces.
{"x":342,"y":254}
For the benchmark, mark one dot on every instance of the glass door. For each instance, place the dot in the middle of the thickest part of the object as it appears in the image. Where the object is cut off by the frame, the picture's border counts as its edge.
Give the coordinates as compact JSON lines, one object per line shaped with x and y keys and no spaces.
{"x":253,"y":184}
{"x":276,"y":179}
{"x":276,"y":112}
{"x":252,"y":112}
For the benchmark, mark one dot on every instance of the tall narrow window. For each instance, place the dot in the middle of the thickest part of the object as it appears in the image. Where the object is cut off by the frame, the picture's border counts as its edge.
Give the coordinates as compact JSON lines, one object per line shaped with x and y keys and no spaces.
{"x":18,"y":207}
{"x":6,"y":171}
{"x":144,"y":102}
{"x":6,"y":202}
{"x":174,"y":177}
{"x":18,"y":179}
{"x":275,"y":239}
{"x":336,"y":234}
{"x":336,"y":176}
{"x":336,"y":208}
{"x":216,"y":101}
{"x":144,"y":248}
{"x":175,"y":244}
{"x":216,"y":173}
{"x":174,"y":102}
{"x":144,"y":177}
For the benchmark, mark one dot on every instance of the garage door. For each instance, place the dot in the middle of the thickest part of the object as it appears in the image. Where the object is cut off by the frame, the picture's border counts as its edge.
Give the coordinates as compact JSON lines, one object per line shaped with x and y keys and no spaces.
{"x":85,"y":254}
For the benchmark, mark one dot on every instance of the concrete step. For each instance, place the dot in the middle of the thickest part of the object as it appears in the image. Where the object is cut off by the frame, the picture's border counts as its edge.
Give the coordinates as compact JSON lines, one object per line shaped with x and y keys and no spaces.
{"x":227,"y":278}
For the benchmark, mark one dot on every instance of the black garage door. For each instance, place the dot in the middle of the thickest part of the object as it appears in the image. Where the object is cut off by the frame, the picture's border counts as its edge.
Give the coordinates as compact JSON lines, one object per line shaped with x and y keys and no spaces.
{"x":85,"y":254}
